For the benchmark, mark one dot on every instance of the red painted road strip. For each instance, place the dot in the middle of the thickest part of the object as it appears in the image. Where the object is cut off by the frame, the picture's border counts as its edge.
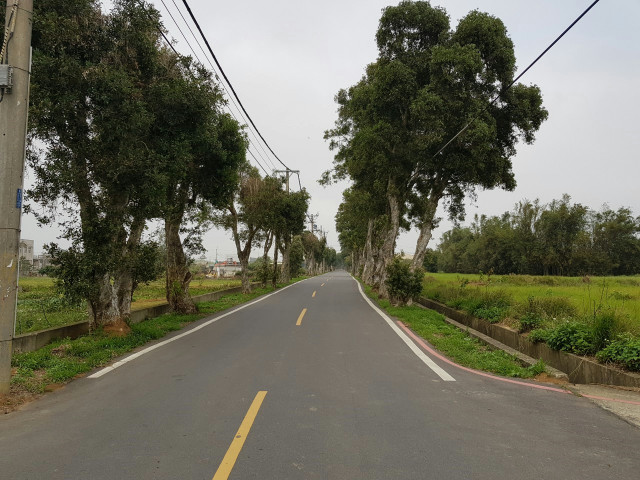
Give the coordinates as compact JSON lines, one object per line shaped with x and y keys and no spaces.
{"x":421,"y":342}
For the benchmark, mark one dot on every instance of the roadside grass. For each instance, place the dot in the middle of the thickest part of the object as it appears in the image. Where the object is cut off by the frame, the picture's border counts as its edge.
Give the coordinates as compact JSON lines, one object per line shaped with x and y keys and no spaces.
{"x":455,"y":343}
{"x":40,"y":306}
{"x":594,"y":316}
{"x":65,"y":359}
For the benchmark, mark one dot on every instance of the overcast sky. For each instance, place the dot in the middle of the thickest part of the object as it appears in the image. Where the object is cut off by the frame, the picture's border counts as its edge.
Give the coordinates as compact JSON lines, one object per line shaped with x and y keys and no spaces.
{"x":287,"y":59}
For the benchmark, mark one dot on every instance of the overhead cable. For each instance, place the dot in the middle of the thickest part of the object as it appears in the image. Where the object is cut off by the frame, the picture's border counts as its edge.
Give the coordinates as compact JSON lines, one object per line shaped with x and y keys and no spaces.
{"x":518,"y":77}
{"x":199,"y":61}
{"x":186,"y":4}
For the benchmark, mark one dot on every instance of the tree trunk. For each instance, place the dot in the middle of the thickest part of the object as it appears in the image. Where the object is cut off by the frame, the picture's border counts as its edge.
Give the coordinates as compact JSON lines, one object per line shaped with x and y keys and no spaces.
{"x":426,"y":229}
{"x":112,"y":308}
{"x":178,"y":276}
{"x":286,"y":263}
{"x":388,"y":247}
{"x":311,"y":264}
{"x":274,"y":278}
{"x":368,"y":264}
{"x":268,"y":241}
{"x":104,"y":309}
{"x":243,"y":257}
{"x":243,"y":253}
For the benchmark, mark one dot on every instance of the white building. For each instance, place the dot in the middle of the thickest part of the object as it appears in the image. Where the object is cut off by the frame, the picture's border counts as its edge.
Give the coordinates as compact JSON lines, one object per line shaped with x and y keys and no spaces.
{"x":227,"y":268}
{"x":26,"y":250}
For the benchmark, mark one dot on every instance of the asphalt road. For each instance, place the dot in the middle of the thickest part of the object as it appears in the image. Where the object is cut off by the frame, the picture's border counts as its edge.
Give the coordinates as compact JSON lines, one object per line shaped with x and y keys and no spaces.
{"x":346,"y":398}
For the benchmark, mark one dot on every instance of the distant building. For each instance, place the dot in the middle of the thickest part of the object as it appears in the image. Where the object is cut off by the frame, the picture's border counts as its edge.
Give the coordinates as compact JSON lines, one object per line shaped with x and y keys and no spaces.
{"x":41,"y":261}
{"x":26,"y":250}
{"x":226,"y":269}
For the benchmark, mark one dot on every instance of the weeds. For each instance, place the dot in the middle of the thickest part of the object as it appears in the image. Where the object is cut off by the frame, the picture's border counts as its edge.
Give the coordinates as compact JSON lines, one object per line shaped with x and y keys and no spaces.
{"x":624,"y":351}
{"x":456,"y":343}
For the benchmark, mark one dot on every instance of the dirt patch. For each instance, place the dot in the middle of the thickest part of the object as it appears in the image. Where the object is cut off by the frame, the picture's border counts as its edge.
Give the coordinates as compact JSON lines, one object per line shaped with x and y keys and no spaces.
{"x":546,"y":378}
{"x":60,"y":351}
{"x":117,"y":329}
{"x":18,"y":395}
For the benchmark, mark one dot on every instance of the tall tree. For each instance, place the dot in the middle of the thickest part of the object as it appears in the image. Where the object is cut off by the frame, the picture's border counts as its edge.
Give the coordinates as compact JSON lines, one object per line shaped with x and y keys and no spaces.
{"x":290,"y":209}
{"x":200,"y":149}
{"x":92,"y":113}
{"x":428,"y":82}
{"x":247,"y":213}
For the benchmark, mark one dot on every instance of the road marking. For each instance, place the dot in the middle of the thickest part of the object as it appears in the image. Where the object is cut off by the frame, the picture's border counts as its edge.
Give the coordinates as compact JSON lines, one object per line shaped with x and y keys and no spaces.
{"x":229,"y":460}
{"x":125,"y":360}
{"x":314,"y":294}
{"x":299,"y":322}
{"x":414,"y":348}
{"x":322,"y":285}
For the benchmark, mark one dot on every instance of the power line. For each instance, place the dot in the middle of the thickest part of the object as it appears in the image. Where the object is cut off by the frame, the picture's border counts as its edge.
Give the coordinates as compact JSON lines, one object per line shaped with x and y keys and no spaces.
{"x":214,"y":72}
{"x":268,"y":160}
{"x":197,"y":58}
{"x":518,"y":77}
{"x":186,"y":4}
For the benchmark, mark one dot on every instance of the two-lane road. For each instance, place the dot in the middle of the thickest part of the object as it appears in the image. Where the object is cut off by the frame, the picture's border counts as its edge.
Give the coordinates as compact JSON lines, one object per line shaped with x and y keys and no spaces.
{"x":309,"y":382}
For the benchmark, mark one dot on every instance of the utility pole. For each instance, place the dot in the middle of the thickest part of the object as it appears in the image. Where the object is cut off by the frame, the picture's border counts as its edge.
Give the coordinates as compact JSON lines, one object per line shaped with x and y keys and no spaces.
{"x":288,"y":172}
{"x":15,"y":67}
{"x":312,"y":219}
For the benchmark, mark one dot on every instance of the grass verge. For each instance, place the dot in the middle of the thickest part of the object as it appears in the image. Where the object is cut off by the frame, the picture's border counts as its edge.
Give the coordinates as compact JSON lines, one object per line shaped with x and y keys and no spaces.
{"x":33,"y":373}
{"x":455,"y":343}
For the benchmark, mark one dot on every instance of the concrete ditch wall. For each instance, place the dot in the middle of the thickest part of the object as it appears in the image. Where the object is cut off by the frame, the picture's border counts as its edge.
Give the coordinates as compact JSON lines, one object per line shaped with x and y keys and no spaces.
{"x":29,"y":342}
{"x":579,"y":369}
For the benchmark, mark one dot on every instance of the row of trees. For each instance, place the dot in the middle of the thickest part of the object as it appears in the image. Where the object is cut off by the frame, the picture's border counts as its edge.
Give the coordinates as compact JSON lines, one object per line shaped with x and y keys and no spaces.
{"x":428,"y":82}
{"x":124,"y":131}
{"x":559,"y":238}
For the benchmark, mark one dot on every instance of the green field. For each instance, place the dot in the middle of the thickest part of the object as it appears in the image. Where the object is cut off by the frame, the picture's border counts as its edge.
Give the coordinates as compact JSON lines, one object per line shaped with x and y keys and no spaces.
{"x":509,"y":298}
{"x":40,"y":306}
{"x":593,"y":316}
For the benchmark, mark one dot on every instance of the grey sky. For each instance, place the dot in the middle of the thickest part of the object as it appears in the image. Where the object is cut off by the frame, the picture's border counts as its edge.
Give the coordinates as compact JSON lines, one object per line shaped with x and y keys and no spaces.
{"x":287,"y":59}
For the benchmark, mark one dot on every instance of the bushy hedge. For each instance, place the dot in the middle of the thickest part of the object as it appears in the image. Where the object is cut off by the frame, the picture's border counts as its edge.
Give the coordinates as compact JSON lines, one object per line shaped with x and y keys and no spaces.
{"x":625,"y":351}
{"x":403,"y":284}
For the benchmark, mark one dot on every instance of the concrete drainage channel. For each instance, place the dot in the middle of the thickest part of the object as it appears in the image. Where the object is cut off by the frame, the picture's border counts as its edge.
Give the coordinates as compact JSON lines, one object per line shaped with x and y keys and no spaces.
{"x":615,"y":391}
{"x":578,"y":369}
{"x":29,"y":342}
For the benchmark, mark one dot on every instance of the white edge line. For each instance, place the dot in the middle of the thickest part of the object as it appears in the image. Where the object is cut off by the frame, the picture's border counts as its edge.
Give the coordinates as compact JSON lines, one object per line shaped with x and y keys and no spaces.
{"x":414,"y":348}
{"x":133,"y":356}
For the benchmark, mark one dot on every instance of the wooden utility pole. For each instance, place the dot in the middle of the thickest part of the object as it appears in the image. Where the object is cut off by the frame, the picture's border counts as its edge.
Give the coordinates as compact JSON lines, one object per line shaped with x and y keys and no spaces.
{"x":15,"y":67}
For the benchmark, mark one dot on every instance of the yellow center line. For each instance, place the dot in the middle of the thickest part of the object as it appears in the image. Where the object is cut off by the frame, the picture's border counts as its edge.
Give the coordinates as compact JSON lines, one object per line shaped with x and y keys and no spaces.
{"x":314,"y":294}
{"x":229,"y":460}
{"x":299,"y":322}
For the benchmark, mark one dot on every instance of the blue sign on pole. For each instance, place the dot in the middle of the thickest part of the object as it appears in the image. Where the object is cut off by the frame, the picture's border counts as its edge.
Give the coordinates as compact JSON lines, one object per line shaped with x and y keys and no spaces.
{"x":19,"y":198}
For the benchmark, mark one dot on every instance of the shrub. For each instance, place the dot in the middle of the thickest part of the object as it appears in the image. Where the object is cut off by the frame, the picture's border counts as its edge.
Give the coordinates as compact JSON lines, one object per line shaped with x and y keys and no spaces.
{"x":492,"y":305}
{"x":493,"y":314}
{"x":539,"y":335}
{"x":572,"y":337}
{"x":625,"y":351}
{"x":403,"y":284}
{"x":530,"y":321}
{"x":604,"y":328}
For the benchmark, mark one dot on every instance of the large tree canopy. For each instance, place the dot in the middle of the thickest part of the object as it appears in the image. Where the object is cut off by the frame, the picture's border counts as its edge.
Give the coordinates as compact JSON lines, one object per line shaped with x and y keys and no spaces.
{"x":128,"y":131}
{"x":428,"y":83}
